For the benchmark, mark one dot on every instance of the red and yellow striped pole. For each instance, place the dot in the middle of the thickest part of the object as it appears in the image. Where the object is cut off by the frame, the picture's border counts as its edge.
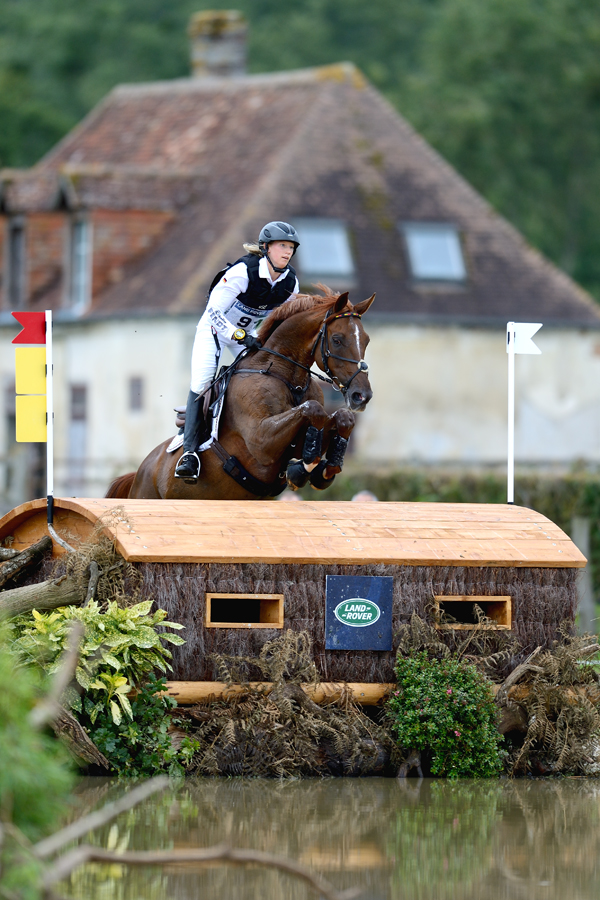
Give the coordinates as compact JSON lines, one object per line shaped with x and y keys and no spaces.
{"x":33,"y":385}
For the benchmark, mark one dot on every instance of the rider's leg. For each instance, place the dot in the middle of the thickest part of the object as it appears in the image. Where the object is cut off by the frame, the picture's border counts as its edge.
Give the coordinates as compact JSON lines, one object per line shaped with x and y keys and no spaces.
{"x":205,"y":359}
{"x":188,"y":466}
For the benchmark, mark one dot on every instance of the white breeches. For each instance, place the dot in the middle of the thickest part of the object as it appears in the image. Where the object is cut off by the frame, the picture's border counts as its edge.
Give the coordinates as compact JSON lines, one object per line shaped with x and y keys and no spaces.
{"x":205,"y":357}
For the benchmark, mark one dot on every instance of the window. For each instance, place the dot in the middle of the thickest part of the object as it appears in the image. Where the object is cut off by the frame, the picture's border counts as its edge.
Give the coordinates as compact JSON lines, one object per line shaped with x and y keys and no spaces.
{"x":244,"y":611}
{"x":136,"y":393}
{"x":79,"y":292}
{"x":15,"y":259}
{"x":77,"y":439}
{"x":434,"y":251}
{"x":324,"y":253}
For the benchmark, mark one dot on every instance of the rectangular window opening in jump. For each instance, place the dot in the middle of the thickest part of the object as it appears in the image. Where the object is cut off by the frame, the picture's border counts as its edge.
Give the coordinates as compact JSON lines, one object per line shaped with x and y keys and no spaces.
{"x":459,"y":613}
{"x":244,"y":611}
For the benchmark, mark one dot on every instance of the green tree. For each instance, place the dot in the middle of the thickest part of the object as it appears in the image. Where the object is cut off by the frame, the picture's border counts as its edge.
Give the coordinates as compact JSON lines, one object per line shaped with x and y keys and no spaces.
{"x":509,"y":92}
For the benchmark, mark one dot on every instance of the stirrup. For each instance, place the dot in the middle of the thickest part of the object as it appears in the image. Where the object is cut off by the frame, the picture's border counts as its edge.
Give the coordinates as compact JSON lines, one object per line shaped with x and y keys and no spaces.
{"x":188,"y":474}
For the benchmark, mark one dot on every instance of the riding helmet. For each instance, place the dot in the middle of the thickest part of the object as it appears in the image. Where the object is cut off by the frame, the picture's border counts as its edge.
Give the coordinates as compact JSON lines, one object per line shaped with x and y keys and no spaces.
{"x":277,"y":231}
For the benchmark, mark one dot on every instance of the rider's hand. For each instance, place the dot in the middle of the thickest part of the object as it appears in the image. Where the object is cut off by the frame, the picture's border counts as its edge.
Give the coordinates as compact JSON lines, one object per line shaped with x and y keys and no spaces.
{"x":249,"y":341}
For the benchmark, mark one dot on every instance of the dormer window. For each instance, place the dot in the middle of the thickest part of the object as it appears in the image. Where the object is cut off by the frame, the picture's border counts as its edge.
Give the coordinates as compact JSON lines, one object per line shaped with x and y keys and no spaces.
{"x":434,"y":251}
{"x":80,"y":265}
{"x":15,"y":262}
{"x":324,"y":253}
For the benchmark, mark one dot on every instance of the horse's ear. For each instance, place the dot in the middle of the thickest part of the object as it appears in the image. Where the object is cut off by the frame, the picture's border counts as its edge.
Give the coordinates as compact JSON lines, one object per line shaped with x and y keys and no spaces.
{"x":361,"y":308}
{"x":340,"y":304}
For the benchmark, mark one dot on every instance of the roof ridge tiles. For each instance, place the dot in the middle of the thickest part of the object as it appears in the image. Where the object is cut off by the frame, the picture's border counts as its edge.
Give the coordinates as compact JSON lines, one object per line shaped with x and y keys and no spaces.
{"x":314,"y":75}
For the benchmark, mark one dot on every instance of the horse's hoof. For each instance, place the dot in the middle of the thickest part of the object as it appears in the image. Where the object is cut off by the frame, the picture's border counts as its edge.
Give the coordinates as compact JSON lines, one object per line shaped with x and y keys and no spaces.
{"x":296,"y":474}
{"x":317,"y":476}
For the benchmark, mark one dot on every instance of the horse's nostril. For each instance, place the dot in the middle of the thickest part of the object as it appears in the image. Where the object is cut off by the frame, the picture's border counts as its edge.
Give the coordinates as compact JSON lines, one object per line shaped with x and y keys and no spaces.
{"x":357,"y":398}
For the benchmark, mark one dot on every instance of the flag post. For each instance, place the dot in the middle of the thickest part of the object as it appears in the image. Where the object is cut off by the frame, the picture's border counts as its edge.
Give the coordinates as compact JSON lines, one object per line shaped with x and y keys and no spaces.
{"x":49,"y":420}
{"x":518,"y":340}
{"x":510,"y":349}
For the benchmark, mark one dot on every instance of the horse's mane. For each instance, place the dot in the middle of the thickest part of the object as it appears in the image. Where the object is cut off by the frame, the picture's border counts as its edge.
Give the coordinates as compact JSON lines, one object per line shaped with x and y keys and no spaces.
{"x":301,"y":303}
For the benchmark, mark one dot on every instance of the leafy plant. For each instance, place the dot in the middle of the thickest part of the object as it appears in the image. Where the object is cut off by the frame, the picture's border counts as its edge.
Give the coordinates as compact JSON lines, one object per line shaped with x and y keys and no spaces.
{"x":139,"y":744}
{"x":119,"y":699}
{"x":446,"y":707}
{"x":122,"y":639}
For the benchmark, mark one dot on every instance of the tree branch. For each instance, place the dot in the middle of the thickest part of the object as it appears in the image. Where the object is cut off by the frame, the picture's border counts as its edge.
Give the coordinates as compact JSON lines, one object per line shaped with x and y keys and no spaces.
{"x":85,"y":854}
{"x":77,"y":829}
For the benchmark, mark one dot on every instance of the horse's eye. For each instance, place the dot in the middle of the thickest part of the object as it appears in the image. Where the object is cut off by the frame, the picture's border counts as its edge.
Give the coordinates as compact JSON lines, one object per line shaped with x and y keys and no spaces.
{"x":336,"y":340}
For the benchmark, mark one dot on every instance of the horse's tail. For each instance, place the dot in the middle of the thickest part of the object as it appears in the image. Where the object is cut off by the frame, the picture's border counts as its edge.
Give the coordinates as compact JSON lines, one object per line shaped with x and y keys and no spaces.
{"x":121,"y":486}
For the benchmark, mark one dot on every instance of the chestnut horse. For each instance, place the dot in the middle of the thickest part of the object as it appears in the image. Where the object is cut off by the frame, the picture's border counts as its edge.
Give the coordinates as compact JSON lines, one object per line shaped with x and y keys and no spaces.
{"x":274,"y":410}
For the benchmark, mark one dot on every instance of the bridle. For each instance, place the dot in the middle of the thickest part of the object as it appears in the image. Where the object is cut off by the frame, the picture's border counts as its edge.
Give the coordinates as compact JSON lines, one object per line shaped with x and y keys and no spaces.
{"x":299,"y":391}
{"x":326,"y":354}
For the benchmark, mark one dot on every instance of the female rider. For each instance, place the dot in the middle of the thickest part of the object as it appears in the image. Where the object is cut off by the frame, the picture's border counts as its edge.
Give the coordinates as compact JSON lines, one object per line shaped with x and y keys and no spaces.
{"x":237,"y":303}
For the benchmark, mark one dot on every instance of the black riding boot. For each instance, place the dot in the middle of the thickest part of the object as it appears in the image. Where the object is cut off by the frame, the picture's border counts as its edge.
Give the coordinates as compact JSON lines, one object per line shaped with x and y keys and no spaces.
{"x":188,"y":466}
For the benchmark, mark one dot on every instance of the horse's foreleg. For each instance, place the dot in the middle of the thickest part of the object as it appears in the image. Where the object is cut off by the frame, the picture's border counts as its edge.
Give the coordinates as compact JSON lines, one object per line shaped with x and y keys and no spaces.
{"x":340,"y":428}
{"x":299,"y":470}
{"x":270,"y":439}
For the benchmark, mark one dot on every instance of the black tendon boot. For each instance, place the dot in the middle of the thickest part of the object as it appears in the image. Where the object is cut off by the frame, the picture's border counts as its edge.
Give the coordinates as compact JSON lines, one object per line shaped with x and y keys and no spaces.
{"x":188,"y":466}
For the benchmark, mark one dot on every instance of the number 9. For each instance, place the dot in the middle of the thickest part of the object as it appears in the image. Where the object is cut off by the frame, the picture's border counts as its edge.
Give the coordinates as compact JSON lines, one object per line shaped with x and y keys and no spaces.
{"x":244,"y":322}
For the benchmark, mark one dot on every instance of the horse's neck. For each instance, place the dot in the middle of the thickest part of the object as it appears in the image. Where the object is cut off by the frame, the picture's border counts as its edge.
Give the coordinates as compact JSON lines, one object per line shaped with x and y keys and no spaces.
{"x":296,"y":340}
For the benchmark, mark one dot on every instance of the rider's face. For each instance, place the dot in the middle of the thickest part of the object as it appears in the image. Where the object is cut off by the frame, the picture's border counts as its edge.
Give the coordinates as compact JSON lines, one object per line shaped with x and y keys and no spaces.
{"x":281,"y":252}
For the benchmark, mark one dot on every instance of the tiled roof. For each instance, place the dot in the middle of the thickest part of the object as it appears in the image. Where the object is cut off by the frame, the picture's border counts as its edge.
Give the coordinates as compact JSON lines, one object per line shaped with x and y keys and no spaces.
{"x":232,"y":154}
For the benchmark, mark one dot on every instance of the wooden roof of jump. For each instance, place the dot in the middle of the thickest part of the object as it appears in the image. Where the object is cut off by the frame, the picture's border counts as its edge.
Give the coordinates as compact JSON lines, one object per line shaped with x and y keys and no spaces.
{"x":192,"y":531}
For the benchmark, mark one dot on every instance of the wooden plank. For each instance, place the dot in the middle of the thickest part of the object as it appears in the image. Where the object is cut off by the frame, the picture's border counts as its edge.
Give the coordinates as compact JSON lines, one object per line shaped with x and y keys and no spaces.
{"x":427,"y":534}
{"x":190,"y":692}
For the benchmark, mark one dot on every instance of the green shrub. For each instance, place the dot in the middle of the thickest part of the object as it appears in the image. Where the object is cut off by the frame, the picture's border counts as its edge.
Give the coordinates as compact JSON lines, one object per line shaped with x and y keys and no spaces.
{"x":139,"y":744}
{"x":119,"y":702}
{"x":446,"y":707}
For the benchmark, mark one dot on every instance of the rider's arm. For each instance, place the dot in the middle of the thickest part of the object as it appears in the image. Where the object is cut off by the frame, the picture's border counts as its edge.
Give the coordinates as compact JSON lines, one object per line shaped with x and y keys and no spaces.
{"x":223,"y":296}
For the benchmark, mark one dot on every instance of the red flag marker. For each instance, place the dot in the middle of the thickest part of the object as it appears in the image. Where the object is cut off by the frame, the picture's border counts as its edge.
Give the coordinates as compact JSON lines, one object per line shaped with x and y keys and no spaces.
{"x":34,"y":327}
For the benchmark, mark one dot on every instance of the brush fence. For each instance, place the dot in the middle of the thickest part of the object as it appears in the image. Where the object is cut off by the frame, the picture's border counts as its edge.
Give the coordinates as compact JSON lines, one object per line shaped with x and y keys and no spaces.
{"x":235,"y":572}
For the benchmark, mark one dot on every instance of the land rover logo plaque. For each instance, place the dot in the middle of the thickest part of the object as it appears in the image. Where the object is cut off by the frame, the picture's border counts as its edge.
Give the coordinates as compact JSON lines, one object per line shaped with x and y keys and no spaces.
{"x":358,"y":612}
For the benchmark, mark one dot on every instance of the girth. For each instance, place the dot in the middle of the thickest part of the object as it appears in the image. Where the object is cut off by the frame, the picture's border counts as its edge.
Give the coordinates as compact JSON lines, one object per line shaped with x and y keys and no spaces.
{"x":242,"y":476}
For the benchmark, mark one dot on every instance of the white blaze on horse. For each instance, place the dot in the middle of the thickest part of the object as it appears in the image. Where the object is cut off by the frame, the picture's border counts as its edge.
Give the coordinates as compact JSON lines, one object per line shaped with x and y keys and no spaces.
{"x":274,"y":430}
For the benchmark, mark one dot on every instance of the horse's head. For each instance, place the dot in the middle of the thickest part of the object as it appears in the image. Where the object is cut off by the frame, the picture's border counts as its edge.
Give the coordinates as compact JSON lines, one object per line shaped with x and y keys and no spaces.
{"x":340,"y":350}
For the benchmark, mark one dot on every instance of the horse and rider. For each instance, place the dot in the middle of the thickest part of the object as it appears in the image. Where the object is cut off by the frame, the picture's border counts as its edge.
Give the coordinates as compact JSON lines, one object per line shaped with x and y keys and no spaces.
{"x":256,"y":310}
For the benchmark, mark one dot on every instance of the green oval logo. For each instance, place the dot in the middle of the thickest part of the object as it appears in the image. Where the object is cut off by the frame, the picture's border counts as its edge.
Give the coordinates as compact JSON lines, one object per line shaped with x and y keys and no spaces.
{"x":357,"y":612}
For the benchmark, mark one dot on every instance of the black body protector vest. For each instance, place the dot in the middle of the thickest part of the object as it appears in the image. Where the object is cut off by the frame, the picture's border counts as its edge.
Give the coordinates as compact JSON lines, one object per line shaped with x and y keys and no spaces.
{"x":260,"y":294}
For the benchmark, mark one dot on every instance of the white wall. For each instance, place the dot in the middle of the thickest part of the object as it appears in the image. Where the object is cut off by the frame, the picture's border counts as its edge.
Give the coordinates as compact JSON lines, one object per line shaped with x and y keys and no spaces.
{"x":440,"y":396}
{"x":103,"y":356}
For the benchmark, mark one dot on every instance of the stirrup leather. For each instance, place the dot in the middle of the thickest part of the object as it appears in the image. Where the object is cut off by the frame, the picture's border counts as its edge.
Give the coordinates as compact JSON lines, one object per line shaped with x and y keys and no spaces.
{"x":189,"y":476}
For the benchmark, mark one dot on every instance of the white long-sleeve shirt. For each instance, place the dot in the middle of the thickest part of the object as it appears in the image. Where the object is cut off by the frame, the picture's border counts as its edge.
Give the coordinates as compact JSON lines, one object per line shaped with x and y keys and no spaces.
{"x":226,"y":313}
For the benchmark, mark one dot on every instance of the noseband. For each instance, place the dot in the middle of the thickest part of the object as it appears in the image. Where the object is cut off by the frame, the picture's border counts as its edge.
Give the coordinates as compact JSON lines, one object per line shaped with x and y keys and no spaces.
{"x":326,"y":354}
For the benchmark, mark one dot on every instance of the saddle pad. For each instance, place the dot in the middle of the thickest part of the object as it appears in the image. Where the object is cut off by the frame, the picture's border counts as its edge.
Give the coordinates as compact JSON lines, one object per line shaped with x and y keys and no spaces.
{"x":175,"y":444}
{"x":177,"y":441}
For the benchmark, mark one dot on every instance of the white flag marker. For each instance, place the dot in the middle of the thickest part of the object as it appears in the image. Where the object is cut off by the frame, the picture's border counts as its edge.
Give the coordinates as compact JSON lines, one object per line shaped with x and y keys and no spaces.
{"x":518,"y":340}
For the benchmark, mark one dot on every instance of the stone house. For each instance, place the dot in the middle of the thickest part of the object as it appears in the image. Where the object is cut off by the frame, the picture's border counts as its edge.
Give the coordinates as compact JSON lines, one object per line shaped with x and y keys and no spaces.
{"x":120,"y":228}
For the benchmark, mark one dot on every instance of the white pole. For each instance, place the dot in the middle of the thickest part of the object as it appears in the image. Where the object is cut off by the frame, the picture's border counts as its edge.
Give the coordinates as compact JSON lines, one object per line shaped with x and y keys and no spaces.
{"x":49,"y":421}
{"x":510,"y":349}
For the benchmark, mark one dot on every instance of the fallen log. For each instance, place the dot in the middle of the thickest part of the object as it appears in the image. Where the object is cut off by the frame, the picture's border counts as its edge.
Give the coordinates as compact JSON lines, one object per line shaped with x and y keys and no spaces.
{"x":63,"y":591}
{"x":24,"y":559}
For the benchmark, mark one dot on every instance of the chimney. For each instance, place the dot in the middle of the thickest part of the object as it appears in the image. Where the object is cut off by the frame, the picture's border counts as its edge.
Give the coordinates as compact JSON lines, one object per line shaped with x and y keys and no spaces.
{"x":218,"y":39}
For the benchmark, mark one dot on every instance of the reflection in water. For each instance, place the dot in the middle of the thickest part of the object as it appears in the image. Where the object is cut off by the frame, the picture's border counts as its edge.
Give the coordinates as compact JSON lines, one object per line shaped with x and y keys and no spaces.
{"x":413,"y":840}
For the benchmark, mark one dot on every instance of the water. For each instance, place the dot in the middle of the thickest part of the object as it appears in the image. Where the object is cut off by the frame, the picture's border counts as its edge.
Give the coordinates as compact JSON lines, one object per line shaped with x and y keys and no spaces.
{"x":433,"y":840}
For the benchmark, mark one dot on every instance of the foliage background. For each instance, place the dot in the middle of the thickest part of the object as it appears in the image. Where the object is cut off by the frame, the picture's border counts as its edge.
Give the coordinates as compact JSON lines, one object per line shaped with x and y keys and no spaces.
{"x":507,"y":90}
